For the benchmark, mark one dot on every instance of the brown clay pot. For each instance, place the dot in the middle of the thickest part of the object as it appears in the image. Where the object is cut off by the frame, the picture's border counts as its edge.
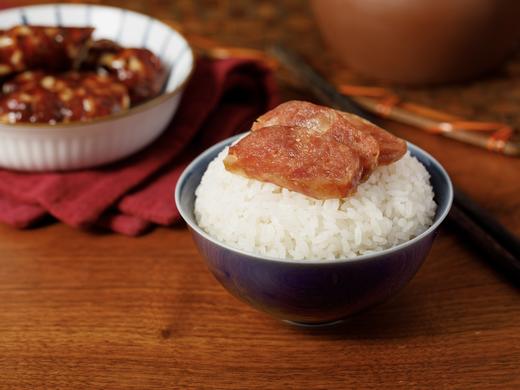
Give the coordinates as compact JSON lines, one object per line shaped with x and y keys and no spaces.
{"x":420,"y":41}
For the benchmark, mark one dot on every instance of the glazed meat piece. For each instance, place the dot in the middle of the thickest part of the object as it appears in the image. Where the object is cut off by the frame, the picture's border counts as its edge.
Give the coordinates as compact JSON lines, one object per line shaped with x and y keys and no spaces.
{"x":314,"y":150}
{"x":324,"y":120}
{"x":97,"y":49}
{"x":379,"y":148}
{"x":139,"y":69}
{"x":299,"y":159}
{"x":37,"y":105}
{"x":391,"y":148}
{"x":45,"y":48}
{"x":38,"y":97}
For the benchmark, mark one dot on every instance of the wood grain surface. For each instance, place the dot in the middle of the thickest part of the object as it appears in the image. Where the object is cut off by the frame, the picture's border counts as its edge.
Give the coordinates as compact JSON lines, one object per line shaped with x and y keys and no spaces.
{"x":80,"y":310}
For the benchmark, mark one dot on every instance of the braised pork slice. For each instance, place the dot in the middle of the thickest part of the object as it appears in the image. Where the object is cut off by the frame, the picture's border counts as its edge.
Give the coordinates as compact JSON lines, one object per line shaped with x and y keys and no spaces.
{"x":324,"y":120}
{"x":391,"y":148}
{"x":374,"y":145}
{"x":299,"y":159}
{"x":314,"y":150}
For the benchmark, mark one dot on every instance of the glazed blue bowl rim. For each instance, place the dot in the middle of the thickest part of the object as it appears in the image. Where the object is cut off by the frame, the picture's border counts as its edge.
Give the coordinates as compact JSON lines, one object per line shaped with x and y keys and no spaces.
{"x":215,"y":149}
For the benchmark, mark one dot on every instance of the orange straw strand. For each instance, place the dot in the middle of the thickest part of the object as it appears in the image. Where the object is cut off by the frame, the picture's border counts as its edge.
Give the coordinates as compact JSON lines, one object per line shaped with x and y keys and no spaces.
{"x":387,"y":101}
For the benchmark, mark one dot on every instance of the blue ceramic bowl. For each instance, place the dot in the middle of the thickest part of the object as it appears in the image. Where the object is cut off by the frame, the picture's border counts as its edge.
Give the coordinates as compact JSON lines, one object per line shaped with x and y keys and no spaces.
{"x":307,"y":291}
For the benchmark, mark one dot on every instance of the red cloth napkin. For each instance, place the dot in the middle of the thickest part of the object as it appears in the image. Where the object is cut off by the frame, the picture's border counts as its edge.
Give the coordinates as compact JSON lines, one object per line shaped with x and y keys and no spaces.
{"x":222,"y":98}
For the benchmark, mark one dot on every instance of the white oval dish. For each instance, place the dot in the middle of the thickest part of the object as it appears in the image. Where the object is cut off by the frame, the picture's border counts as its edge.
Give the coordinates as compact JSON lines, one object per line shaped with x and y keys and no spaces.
{"x":76,"y":145}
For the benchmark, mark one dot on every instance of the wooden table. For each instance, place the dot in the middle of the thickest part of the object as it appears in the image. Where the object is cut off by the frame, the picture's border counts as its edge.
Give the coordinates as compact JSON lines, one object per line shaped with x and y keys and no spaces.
{"x":81,"y":310}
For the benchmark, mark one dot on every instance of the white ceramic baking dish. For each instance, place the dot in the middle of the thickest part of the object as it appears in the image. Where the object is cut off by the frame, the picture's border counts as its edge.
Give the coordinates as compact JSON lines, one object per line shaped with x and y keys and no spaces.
{"x":75,"y":145}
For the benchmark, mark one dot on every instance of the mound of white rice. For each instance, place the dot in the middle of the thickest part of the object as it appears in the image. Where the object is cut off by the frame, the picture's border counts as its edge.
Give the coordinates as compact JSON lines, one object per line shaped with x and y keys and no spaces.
{"x":393,"y":206}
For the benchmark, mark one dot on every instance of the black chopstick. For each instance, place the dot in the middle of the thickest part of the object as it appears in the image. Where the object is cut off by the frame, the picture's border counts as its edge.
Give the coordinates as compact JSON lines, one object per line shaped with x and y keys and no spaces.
{"x":324,"y":91}
{"x":487,"y":244}
{"x":506,"y":239}
{"x":499,"y":245}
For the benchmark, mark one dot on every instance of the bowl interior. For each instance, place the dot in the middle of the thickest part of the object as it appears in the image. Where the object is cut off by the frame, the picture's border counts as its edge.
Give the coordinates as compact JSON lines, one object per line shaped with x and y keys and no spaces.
{"x":190,"y":179}
{"x":128,"y":28}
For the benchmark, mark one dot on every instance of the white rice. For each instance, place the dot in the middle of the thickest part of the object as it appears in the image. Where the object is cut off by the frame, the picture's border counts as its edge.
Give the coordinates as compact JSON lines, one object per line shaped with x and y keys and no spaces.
{"x":393,"y":206}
